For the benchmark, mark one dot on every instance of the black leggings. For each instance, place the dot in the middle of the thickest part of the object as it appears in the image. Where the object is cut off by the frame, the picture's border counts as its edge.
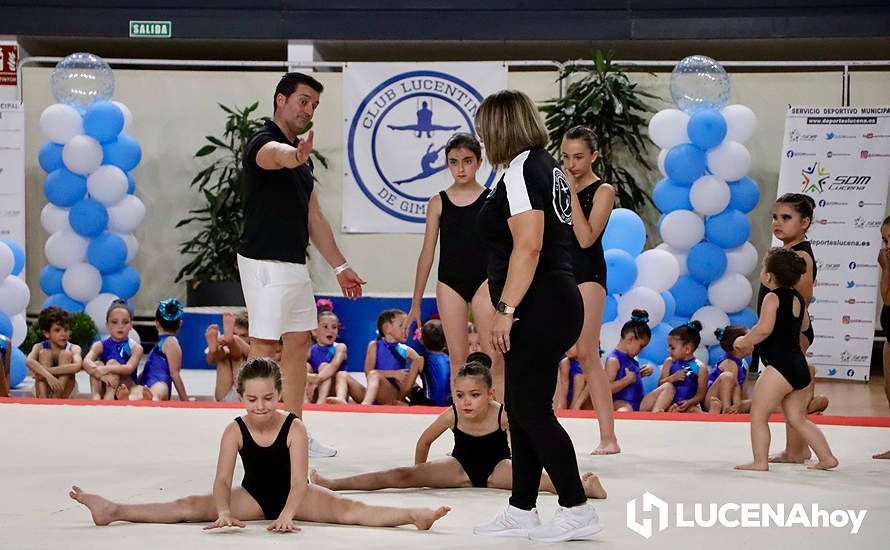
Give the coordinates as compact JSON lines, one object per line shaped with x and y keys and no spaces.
{"x":548,"y":322}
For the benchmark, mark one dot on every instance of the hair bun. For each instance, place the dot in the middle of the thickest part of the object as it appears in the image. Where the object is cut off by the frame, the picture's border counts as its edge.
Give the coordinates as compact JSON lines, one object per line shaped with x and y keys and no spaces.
{"x":639,"y":316}
{"x":694,"y":325}
{"x":479,"y":357}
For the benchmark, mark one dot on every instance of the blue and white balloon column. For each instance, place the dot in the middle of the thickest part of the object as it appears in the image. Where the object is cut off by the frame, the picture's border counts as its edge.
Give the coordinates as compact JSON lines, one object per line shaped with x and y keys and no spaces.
{"x":14,"y":298}
{"x":704,"y":197}
{"x":92,"y":210}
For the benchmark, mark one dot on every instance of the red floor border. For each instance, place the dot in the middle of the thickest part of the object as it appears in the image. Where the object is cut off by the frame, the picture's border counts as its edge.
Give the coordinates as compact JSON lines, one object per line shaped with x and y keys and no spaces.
{"x":827,"y":420}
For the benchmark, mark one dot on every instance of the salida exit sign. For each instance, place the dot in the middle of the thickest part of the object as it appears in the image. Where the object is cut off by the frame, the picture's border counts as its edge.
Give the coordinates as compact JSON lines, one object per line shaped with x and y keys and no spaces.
{"x":151,"y":29}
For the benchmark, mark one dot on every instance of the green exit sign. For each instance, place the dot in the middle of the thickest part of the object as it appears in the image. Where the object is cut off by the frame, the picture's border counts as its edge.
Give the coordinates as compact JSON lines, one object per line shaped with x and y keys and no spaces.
{"x":151,"y":29}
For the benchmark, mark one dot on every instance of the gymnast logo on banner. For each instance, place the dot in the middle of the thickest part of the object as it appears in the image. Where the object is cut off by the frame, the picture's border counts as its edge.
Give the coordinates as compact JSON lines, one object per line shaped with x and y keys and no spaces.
{"x":402,"y":117}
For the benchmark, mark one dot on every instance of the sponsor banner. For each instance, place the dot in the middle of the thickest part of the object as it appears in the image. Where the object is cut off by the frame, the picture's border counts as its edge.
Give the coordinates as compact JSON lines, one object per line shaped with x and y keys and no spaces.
{"x":840,"y":156}
{"x":12,"y":172}
{"x":398,"y":118}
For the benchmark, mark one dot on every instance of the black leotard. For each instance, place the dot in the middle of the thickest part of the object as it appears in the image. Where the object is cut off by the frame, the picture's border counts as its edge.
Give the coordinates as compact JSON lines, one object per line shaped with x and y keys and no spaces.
{"x":267,"y":469}
{"x":781,"y":349}
{"x":885,"y":320}
{"x":589,"y":264}
{"x":461,"y":254}
{"x":479,"y":454}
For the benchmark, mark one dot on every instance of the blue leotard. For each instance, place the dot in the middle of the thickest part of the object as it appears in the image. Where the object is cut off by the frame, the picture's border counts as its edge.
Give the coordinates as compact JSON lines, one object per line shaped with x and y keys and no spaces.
{"x":632,"y":394}
{"x":574,"y":368}
{"x":156,"y":367}
{"x":436,"y":378}
{"x":740,"y":363}
{"x":319,"y":354}
{"x":118,"y":351}
{"x":391,"y":356}
{"x":687,"y":388}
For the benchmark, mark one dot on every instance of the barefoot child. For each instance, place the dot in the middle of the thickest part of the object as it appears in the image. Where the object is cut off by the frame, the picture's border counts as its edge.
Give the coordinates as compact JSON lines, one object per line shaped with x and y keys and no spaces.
{"x":481,"y":455}
{"x":273,"y":450}
{"x":786,"y":376}
{"x":112,"y":362}
{"x":164,"y":364}
{"x":227,"y":351}
{"x":622,"y":369}
{"x":390,"y":376}
{"x":726,"y":381}
{"x":54,"y":361}
{"x":571,"y":384}
{"x":682,"y":383}
{"x":437,"y":367}
{"x":327,"y":374}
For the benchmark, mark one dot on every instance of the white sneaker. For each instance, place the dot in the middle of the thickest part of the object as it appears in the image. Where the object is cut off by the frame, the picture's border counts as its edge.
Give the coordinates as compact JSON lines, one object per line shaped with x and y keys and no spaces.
{"x":510,"y":522}
{"x":317,"y":449}
{"x":575,"y":523}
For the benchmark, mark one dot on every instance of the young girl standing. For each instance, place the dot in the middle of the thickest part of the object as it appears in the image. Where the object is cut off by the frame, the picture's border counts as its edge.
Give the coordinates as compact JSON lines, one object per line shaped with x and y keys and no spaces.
{"x":592,"y":201}
{"x":274,"y":451}
{"x":112,"y":362}
{"x":451,"y":219}
{"x":622,"y":370}
{"x":786,"y":376}
{"x":682,"y":384}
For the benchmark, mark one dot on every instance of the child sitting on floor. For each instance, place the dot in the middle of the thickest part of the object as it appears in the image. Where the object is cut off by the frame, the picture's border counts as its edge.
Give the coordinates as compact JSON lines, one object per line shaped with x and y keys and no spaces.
{"x":227,"y":351}
{"x":54,"y":361}
{"x":390,"y":365}
{"x":111,"y":363}
{"x":437,"y":367}
{"x":326,"y":369}
{"x":164,"y":364}
{"x":571,"y":384}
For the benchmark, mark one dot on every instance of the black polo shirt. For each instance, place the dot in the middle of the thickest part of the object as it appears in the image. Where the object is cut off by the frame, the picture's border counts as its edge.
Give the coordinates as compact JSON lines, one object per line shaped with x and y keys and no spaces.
{"x":276,"y":211}
{"x":532,"y":181}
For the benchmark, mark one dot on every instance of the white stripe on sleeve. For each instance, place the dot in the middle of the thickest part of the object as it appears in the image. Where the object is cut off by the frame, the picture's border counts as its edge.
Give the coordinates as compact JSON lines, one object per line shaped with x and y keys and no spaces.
{"x":514,"y":181}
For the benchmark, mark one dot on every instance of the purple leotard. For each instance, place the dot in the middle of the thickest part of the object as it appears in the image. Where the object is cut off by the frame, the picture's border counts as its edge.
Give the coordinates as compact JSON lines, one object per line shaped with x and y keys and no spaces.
{"x":118,"y":351}
{"x":740,"y":363}
{"x":156,"y":367}
{"x":574,"y":368}
{"x":319,"y":354}
{"x":632,"y":394}
{"x":391,"y":356}
{"x":687,"y":388}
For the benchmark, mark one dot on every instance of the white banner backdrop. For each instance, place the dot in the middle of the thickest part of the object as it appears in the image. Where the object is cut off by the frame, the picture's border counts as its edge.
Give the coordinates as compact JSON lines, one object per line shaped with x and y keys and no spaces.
{"x":12,"y":172}
{"x":840,"y":156}
{"x":397,"y":120}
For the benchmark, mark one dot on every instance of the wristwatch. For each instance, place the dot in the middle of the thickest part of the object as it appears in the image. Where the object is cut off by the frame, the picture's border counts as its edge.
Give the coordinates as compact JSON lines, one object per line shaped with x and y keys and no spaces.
{"x":504,"y":308}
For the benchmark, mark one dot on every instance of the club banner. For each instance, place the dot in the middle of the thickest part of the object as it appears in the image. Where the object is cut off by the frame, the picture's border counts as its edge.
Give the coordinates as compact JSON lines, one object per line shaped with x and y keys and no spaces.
{"x":398,"y":118}
{"x":840,"y":156}
{"x":12,"y":172}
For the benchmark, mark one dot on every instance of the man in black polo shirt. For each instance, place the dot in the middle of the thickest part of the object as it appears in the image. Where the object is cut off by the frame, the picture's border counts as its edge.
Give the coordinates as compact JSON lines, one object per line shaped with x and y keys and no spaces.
{"x":282,"y":215}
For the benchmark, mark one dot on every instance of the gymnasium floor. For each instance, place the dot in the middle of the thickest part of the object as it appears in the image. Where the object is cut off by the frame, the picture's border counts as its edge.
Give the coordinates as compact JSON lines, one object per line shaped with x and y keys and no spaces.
{"x":149,"y":453}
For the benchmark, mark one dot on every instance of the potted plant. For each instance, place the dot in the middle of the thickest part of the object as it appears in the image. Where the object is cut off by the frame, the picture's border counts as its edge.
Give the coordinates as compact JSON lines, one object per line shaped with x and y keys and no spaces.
{"x":605,"y":100}
{"x":212,"y":273}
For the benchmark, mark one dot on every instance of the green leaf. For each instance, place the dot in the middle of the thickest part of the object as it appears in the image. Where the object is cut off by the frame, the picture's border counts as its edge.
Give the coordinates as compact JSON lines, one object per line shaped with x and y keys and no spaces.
{"x":206,"y":150}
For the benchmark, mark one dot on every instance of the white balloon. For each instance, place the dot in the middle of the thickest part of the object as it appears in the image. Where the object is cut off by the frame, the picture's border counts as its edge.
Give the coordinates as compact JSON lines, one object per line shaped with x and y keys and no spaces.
{"x":610,"y":334}
{"x":98,"y":307}
{"x":61,"y":122}
{"x":729,"y":161}
{"x":108,"y":185}
{"x":682,"y":229}
{"x":132,"y":246}
{"x":701,"y":353}
{"x":82,"y":155}
{"x":134,"y":336}
{"x":128,"y":117}
{"x":641,"y":298}
{"x":126,"y":215}
{"x":661,"y":156}
{"x":7,"y":261}
{"x":679,"y":255}
{"x":742,"y":259}
{"x":709,"y":195}
{"x":54,"y":218}
{"x":19,"y":329}
{"x":741,"y":122}
{"x":66,"y":248}
{"x":14,"y":296}
{"x":82,"y":282}
{"x":732,"y":292}
{"x":657,"y":269}
{"x":668,"y":128}
{"x":711,"y":318}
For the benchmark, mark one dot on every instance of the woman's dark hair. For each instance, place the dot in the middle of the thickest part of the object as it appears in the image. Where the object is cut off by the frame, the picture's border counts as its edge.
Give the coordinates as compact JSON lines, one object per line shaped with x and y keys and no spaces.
{"x":476,"y":368}
{"x":169,"y":314}
{"x":802,"y":204}
{"x":785,"y":265}
{"x":688,"y":333}
{"x":727,"y":335}
{"x":53,"y":315}
{"x":289,"y":82}
{"x":583,"y":133}
{"x":259,"y":367}
{"x":387,"y":316}
{"x":463,"y":140}
{"x":118,"y":304}
{"x":638,"y":325}
{"x":432,"y":336}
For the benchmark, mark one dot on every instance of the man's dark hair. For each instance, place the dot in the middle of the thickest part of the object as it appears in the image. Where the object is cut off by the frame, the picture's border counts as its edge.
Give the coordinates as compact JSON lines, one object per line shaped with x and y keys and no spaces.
{"x":289,"y":83}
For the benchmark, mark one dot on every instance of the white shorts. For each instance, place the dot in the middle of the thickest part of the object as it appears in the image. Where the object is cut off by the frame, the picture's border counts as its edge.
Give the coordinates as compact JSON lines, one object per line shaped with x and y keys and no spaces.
{"x":279,"y":297}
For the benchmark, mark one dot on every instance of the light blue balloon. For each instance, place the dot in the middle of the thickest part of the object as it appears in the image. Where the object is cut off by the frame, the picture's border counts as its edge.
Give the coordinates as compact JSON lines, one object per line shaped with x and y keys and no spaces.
{"x":621,"y":271}
{"x":670,"y":305}
{"x":17,"y":368}
{"x":625,"y":231}
{"x":651,"y":382}
{"x":715,"y":354}
{"x":744,"y":195}
{"x":131,"y":184}
{"x":746,"y":318}
{"x":51,"y":280}
{"x":5,"y":325}
{"x":88,"y":217}
{"x":676,"y":320}
{"x":18,"y":253}
{"x":669,"y":196}
{"x":706,"y":128}
{"x":689,"y":294}
{"x":63,"y":301}
{"x":103,"y":121}
{"x":610,"y":309}
{"x":124,"y":283}
{"x":657,"y":349}
{"x":685,"y":163}
{"x":107,"y":252}
{"x":123,"y":152}
{"x":50,"y":156}
{"x":64,"y":188}
{"x":728,"y":229}
{"x":706,"y":262}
